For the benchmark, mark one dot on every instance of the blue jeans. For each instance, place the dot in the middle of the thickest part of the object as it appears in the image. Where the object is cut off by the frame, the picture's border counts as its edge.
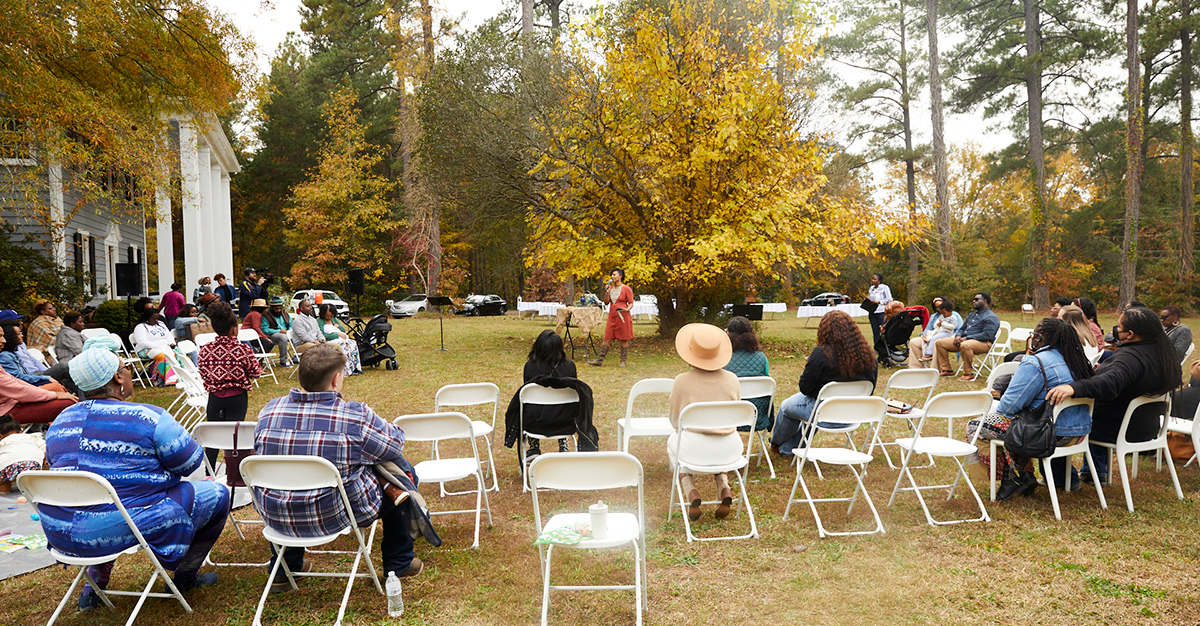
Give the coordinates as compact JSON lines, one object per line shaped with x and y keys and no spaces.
{"x":794,"y":413}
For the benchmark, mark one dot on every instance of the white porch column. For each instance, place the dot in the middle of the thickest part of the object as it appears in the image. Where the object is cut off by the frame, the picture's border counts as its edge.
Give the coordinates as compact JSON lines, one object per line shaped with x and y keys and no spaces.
{"x":58,"y":216}
{"x":206,"y":235}
{"x":216,"y":248}
{"x":193,"y":225}
{"x":224,"y":230}
{"x":166,"y":243}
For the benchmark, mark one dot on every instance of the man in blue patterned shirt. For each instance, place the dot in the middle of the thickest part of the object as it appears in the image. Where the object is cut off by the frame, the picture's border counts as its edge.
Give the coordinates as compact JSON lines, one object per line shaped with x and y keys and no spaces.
{"x":318,"y":421}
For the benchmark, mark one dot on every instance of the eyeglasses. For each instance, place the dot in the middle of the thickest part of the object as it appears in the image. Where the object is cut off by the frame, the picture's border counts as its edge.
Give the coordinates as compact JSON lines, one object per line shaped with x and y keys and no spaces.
{"x":976,"y":299}
{"x":1163,"y":317}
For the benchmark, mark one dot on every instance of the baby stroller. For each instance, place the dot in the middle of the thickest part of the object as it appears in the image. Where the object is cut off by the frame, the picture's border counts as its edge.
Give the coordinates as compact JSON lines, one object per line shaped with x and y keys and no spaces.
{"x":372,"y":341}
{"x":896,"y":333}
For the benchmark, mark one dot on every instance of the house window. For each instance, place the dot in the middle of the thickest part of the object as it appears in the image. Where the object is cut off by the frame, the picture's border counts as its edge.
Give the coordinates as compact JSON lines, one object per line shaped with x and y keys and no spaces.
{"x":92,"y":261}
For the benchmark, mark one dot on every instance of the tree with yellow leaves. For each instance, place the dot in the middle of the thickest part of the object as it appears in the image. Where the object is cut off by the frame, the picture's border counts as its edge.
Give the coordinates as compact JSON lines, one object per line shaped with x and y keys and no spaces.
{"x":676,"y":157}
{"x":339,"y":216}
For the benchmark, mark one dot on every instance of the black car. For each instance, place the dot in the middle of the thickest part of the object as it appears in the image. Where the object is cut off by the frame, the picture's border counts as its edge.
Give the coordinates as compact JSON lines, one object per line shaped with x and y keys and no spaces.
{"x":829,"y":298}
{"x":484,"y":305}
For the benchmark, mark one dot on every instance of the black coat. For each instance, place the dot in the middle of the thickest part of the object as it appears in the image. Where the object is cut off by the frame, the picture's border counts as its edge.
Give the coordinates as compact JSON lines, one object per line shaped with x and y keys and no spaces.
{"x":1133,"y":370}
{"x":821,"y":369}
{"x":573,"y":419}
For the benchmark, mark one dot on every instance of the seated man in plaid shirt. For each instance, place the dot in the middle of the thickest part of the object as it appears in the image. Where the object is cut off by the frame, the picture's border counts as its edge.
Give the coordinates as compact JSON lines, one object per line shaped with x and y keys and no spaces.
{"x":317,"y":421}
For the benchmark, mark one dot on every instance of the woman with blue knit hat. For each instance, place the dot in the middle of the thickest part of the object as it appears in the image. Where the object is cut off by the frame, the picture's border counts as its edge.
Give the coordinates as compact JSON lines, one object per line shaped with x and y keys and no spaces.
{"x":145,"y":454}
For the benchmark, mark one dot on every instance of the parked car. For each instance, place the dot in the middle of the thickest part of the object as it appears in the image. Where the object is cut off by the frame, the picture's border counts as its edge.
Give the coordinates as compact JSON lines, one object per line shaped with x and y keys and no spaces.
{"x":829,"y":298}
{"x":408,"y":307}
{"x":341,"y":309}
{"x":490,"y":304}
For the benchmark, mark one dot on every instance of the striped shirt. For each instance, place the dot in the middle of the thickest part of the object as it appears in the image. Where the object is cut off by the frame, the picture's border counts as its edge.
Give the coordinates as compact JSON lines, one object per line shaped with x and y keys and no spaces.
{"x":348,"y":434}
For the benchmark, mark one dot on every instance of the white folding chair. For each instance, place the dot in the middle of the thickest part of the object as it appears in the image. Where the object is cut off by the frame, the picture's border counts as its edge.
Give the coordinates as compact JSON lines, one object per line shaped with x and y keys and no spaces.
{"x":592,"y":471}
{"x":471,"y":394}
{"x":194,"y":408}
{"x":53,"y":352}
{"x":307,"y":473}
{"x":867,"y":411}
{"x":1066,"y":451}
{"x":38,"y":356}
{"x":136,"y":364}
{"x":964,"y":404}
{"x":203,"y":339}
{"x":249,"y":335}
{"x":994,"y":355}
{"x":1124,"y":447}
{"x":1026,"y":309}
{"x":753,"y":387}
{"x":1185,"y":427}
{"x":532,"y":394}
{"x":848,"y":389}
{"x":1018,"y":334}
{"x":84,"y":489}
{"x":701,"y":416}
{"x":219,"y":435}
{"x":88,"y":333}
{"x":629,"y":426}
{"x":1184,"y":361}
{"x":905,"y":380}
{"x":435,"y":427}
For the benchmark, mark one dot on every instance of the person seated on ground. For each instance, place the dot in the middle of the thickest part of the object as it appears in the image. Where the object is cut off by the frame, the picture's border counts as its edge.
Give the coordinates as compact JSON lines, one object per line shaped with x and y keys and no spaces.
{"x":68,"y":343}
{"x":317,"y":420}
{"x":707,"y":349}
{"x":841,"y":355}
{"x":1179,"y":334}
{"x":1145,"y":365}
{"x":975,"y":336}
{"x":1059,"y":303}
{"x":151,"y":340}
{"x":275,"y":325}
{"x":11,"y":362}
{"x":189,"y":314}
{"x":228,"y":368}
{"x":30,"y":404}
{"x":226,"y":292}
{"x":1087,"y":338}
{"x":253,"y":321}
{"x":943,"y":323}
{"x":548,"y":358}
{"x":748,"y":360}
{"x":334,"y":332}
{"x":1055,"y":350}
{"x":19,"y":452}
{"x":306,"y":331}
{"x":44,"y":328}
{"x":146,"y":455}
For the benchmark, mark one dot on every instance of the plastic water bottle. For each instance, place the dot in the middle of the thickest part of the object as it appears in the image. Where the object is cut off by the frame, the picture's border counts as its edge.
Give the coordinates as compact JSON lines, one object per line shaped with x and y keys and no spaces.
{"x":599,"y":514}
{"x":395,"y":599}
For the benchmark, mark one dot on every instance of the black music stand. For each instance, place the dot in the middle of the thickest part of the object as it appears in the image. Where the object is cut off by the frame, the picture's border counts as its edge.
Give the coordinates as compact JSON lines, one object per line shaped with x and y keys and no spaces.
{"x":586,"y":345}
{"x":749,"y":311}
{"x":439,"y":302}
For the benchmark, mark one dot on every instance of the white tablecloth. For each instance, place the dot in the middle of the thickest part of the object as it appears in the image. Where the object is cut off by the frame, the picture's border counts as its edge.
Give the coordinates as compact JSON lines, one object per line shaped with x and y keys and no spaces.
{"x":549,"y":309}
{"x":643,"y":308}
{"x":774,"y":307}
{"x":819,"y":311}
{"x":527,"y":306}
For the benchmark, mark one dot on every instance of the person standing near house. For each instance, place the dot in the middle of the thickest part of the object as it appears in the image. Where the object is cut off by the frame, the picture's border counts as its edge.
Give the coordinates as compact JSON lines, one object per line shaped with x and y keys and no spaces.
{"x":171,"y":304}
{"x":252,"y":288}
{"x":224,"y":291}
{"x":881,"y":295}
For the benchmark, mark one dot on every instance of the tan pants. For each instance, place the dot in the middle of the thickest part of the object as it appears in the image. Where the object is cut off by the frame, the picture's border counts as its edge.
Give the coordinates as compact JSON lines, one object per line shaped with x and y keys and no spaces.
{"x":916,"y":350}
{"x":304,"y":346}
{"x":968,"y":348}
{"x":688,"y":482}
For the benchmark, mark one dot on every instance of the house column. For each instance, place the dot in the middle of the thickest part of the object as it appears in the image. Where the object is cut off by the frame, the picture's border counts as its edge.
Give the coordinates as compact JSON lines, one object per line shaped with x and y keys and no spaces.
{"x":164,"y":238}
{"x":58,"y":216}
{"x":206,"y":234}
{"x":193,"y":225}
{"x":224,"y":220}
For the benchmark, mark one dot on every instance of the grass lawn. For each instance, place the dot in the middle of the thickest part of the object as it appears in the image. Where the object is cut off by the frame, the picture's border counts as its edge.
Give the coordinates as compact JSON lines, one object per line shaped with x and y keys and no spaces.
{"x":1094,"y":567}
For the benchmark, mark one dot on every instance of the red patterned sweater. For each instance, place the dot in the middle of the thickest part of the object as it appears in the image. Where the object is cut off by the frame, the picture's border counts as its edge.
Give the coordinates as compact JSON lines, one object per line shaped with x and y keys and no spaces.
{"x":228,"y":367}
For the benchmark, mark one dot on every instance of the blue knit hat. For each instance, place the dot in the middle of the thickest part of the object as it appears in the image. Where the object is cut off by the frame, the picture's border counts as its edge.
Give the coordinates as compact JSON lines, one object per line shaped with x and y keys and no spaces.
{"x":107,"y":341}
{"x":93,"y":368}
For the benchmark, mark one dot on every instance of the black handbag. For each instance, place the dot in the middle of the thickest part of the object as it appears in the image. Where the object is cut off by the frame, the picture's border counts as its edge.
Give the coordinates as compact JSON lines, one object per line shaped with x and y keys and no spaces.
{"x":1031,"y":434}
{"x":869,"y":305}
{"x":233,"y":463}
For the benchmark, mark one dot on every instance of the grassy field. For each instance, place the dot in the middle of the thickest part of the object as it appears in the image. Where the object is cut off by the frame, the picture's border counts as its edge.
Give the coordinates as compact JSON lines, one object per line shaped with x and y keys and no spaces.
{"x":1094,"y":567}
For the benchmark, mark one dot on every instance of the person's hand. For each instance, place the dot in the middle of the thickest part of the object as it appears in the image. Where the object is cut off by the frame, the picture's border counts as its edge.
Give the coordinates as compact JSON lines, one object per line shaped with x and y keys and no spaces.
{"x":341,"y":335}
{"x":1194,"y":370}
{"x":1060,"y":393}
{"x":958,"y":341}
{"x":261,"y":280}
{"x":62,"y":395}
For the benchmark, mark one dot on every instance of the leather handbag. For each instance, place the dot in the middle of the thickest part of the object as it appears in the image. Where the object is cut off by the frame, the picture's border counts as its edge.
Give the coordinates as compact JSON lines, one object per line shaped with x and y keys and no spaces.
{"x":869,"y":305}
{"x":1031,"y":434}
{"x":233,"y":461}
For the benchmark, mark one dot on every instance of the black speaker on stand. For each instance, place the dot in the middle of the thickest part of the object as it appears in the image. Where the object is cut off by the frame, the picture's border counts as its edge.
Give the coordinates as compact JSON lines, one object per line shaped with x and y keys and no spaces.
{"x":128,"y":283}
{"x":356,"y":284}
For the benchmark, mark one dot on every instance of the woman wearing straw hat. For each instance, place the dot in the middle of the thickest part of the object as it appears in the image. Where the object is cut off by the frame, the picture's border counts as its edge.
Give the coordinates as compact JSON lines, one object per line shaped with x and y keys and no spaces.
{"x":707,"y":349}
{"x":619,"y":298}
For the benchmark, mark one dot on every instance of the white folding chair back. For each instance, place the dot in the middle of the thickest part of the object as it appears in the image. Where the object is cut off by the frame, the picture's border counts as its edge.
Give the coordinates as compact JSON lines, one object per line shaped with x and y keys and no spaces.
{"x":1018,"y":334}
{"x":863,"y":411}
{"x":1026,"y":309}
{"x":629,"y":426}
{"x":951,"y":405}
{"x":249,"y":335}
{"x":702,"y":416}
{"x":1067,"y":452}
{"x":76,"y":489}
{"x":88,"y":333}
{"x":1001,"y":369}
{"x":472,"y":394}
{"x":435,"y":427}
{"x":592,"y":471}
{"x":305,"y":473}
{"x":203,"y":339}
{"x":38,"y":356}
{"x":1184,"y":361}
{"x":532,"y":394}
{"x":1124,"y":447}
{"x":1185,"y":427}
{"x":904,"y":380}
{"x":753,"y":387}
{"x":195,"y":399}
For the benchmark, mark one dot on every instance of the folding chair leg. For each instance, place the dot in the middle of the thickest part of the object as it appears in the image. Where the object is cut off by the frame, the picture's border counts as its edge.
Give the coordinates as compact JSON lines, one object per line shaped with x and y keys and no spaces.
{"x":1099,"y":490}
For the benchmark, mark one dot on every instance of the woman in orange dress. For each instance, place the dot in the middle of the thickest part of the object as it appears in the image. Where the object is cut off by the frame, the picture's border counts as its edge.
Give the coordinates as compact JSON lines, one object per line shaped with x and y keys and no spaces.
{"x":619,"y":297}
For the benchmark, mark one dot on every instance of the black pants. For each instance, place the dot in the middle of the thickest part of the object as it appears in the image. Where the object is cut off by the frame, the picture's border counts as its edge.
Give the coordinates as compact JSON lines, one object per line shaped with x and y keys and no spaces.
{"x":876,"y":320}
{"x":396,"y":549}
{"x":231,"y":409}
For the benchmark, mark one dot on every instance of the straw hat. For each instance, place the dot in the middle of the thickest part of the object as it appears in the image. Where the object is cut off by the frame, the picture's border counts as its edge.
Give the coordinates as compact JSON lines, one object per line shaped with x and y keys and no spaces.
{"x":258,"y":303}
{"x":704,"y":346}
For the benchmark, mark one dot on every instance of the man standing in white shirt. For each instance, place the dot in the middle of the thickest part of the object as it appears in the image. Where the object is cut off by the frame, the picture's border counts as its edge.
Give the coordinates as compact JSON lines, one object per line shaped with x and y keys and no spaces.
{"x":880,"y":294}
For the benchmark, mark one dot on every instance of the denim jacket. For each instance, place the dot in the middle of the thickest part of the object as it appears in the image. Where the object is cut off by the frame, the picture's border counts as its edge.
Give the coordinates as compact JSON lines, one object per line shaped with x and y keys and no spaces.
{"x":1028,"y":391}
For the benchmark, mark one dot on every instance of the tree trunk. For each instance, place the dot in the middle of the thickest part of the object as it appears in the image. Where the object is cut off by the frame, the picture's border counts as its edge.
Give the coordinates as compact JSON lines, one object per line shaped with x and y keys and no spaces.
{"x":1127,"y":290}
{"x":555,"y":15}
{"x":910,"y":169}
{"x":1039,"y":239}
{"x":1186,"y":160}
{"x":940,"y":175}
{"x":433,"y":206}
{"x":670,"y":320}
{"x":526,"y":18}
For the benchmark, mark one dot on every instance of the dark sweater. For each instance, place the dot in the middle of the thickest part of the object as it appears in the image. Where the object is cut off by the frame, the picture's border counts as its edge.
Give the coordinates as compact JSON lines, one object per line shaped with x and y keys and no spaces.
{"x":822,"y":368}
{"x":1132,"y":371}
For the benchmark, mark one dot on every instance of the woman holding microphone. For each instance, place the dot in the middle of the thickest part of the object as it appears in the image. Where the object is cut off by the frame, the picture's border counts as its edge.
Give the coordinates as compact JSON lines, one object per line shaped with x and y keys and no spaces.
{"x":619,"y":297}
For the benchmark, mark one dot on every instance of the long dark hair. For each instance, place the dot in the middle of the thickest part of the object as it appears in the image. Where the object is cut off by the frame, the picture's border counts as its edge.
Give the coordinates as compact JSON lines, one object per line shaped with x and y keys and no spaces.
{"x":1145,"y":324}
{"x":741,"y":334}
{"x":547,"y":351}
{"x":11,"y":341}
{"x":1089,"y":310}
{"x":1060,"y":335}
{"x":839,"y":337}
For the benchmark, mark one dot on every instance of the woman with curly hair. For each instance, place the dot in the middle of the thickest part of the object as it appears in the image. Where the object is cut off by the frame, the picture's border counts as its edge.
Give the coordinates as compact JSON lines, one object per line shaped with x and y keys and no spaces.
{"x":842,"y":355}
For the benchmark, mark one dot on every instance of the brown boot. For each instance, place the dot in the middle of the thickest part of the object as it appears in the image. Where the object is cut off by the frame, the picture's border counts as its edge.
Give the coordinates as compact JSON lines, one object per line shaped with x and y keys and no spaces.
{"x":600,"y":357}
{"x":624,"y":353}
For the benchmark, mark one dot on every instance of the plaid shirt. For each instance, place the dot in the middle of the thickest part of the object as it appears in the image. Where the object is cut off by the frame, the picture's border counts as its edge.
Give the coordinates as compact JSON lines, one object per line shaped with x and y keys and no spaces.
{"x":227,"y":365}
{"x":348,"y":434}
{"x":42,"y":332}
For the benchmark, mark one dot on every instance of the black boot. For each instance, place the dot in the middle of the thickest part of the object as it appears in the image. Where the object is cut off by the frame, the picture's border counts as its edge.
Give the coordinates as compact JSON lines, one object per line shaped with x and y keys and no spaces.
{"x":1010,"y":485}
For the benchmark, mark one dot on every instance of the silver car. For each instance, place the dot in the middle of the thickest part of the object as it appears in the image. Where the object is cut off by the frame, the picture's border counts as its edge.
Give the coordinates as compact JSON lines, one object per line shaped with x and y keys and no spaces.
{"x":408,"y":307}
